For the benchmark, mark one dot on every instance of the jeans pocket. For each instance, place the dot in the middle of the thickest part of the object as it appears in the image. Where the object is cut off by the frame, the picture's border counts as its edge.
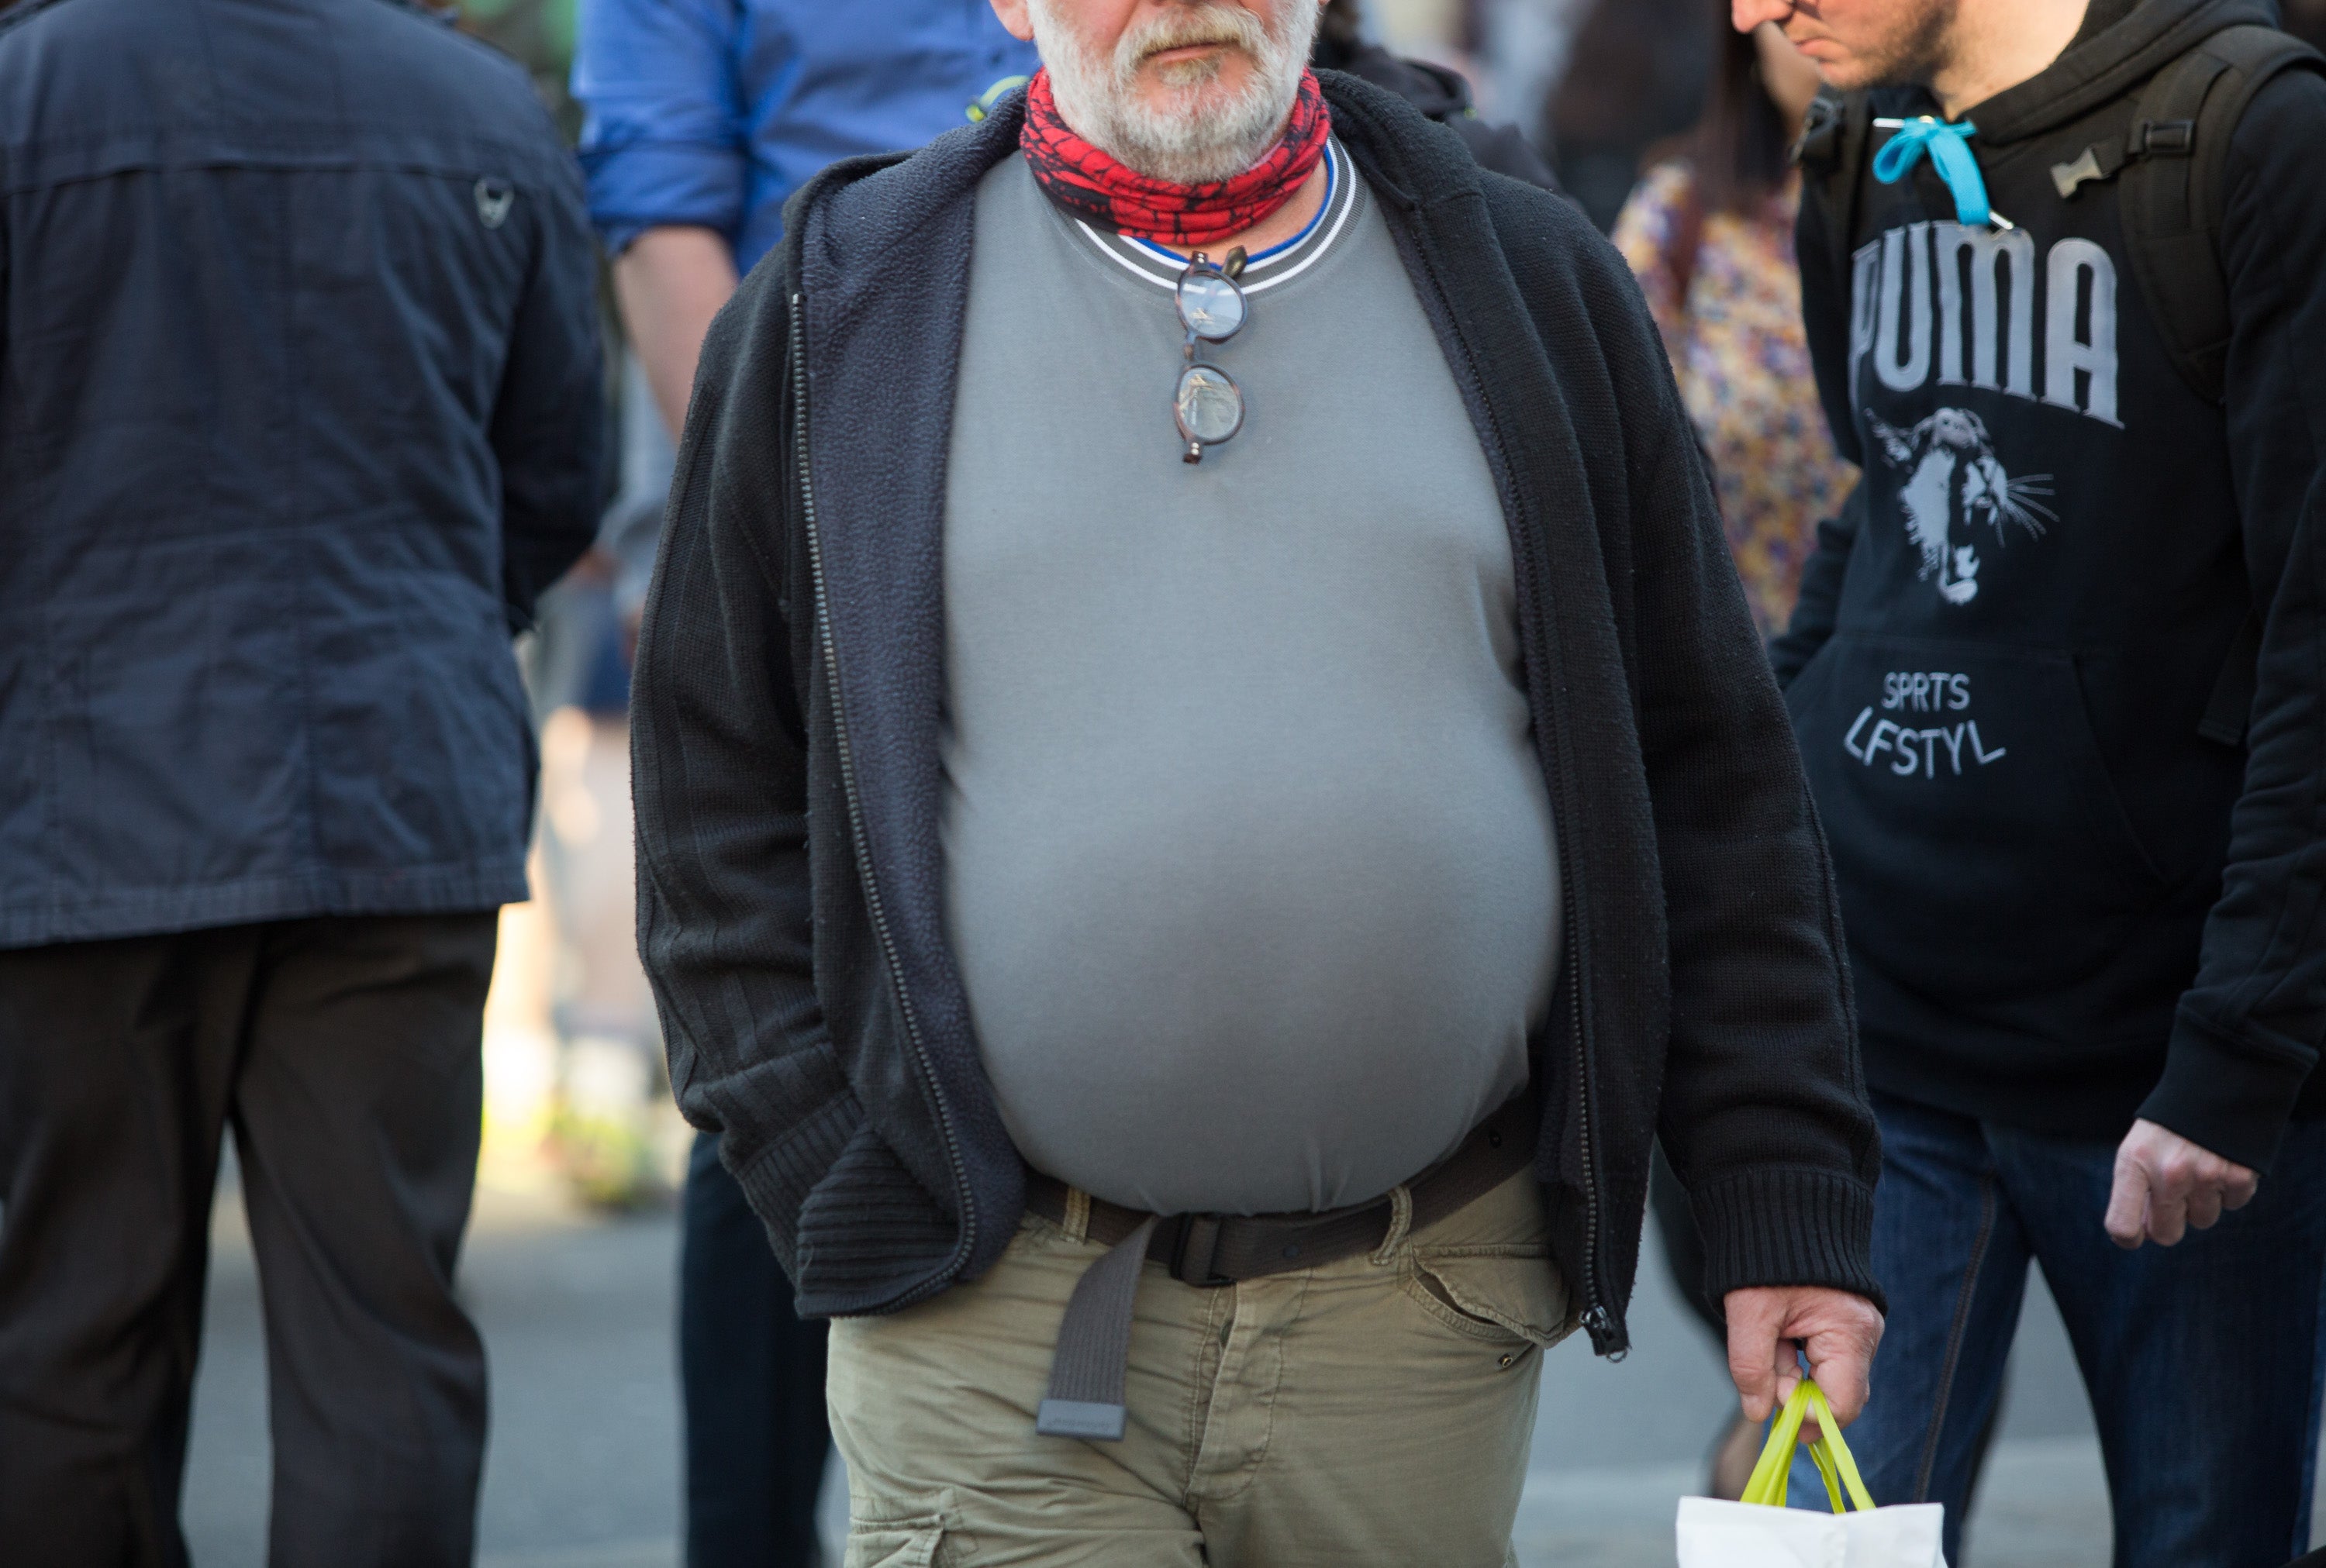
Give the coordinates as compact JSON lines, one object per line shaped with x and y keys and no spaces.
{"x":1513,"y":1297}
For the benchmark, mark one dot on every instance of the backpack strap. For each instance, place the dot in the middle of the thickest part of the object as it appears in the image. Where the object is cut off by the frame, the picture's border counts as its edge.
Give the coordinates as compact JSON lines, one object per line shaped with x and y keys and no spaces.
{"x":2173,"y":214}
{"x":2173,"y":161}
{"x":1831,"y":155}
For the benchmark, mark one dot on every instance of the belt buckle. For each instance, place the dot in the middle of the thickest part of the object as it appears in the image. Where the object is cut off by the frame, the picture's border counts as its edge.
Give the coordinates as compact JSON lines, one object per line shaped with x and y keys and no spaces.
{"x":1193,"y":1249}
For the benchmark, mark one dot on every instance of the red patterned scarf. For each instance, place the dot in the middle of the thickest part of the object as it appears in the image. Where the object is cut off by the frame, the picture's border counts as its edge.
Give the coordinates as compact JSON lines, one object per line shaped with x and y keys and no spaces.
{"x":1091,"y":184}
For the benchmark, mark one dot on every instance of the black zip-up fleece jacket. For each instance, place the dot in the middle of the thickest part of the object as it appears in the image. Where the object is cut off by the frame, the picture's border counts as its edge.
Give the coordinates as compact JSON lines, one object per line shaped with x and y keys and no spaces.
{"x":786,"y":719}
{"x":2065,"y":907}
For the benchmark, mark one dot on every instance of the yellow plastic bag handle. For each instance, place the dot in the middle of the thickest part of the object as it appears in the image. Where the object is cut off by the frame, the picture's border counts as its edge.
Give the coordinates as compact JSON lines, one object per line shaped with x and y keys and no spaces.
{"x":1835,"y":1467}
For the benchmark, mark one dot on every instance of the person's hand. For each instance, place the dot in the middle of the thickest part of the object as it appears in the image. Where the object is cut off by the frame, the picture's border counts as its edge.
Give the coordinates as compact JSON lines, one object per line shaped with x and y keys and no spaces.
{"x":1836,"y":1329}
{"x":2164,"y":1184}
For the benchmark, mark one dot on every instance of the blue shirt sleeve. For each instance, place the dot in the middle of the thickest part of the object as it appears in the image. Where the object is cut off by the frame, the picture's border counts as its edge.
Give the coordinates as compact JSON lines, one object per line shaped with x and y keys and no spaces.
{"x":664,"y":136}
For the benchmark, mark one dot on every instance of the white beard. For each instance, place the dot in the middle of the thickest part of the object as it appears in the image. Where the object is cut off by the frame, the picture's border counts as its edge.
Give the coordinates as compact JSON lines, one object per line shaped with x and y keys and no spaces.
{"x":1198,"y":134}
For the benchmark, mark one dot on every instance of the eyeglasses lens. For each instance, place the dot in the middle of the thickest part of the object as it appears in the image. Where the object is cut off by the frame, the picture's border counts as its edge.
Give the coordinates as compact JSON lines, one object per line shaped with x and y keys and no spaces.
{"x":1209,"y":404}
{"x":1210,"y":306}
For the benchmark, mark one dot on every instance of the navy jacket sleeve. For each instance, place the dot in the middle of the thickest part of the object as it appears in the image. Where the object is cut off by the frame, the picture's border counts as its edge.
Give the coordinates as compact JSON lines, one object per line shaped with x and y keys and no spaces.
{"x":548,"y":422}
{"x":2247,"y":1033}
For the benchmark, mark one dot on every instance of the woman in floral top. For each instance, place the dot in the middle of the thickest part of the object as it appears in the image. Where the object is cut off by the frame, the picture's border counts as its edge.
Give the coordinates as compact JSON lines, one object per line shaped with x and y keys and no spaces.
{"x":1710,"y":236}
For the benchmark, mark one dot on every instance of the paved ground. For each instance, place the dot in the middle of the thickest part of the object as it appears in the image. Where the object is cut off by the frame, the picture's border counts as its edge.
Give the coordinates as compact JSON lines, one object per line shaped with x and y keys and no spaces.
{"x":582,"y":1473}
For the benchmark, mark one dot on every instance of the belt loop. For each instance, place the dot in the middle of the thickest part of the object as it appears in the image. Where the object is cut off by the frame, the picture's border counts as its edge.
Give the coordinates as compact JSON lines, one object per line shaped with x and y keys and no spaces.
{"x":1077,"y":1220}
{"x":1400,"y":1223}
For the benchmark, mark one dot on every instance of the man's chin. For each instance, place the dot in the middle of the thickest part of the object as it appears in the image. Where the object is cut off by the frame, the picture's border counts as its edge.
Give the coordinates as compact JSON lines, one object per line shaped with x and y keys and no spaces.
{"x":1849,"y":73}
{"x":1172,"y":79}
{"x":1189,"y":105}
{"x":1837,"y":68}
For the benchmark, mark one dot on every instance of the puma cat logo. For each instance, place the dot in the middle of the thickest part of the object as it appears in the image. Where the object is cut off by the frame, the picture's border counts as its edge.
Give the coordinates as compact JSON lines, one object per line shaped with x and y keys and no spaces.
{"x":1953,"y":486}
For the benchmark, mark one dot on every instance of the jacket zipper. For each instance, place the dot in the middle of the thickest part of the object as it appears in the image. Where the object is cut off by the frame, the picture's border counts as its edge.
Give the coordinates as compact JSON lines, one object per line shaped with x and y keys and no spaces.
{"x":1606,"y":1338}
{"x":861,"y":844}
{"x":1596,"y":1321}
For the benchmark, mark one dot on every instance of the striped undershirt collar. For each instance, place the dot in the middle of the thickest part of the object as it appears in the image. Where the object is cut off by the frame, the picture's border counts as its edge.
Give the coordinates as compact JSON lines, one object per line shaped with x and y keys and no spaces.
{"x":1278,"y":264}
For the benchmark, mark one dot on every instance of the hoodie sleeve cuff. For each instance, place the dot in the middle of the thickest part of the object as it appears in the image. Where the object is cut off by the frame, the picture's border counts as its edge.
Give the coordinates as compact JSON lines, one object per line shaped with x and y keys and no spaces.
{"x":1787,"y":1225}
{"x":2228,"y":1093}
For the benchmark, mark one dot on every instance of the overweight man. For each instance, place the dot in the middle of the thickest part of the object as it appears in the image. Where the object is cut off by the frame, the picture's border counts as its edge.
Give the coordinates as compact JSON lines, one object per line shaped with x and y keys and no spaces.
{"x":1206,"y":787}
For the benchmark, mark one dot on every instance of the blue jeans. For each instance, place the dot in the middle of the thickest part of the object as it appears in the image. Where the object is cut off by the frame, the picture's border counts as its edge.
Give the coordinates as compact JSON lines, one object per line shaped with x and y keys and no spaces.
{"x":2203,"y":1360}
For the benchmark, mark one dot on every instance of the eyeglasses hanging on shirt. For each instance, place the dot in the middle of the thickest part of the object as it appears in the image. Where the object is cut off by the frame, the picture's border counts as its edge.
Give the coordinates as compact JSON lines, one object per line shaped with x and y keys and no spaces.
{"x":1207,"y":403}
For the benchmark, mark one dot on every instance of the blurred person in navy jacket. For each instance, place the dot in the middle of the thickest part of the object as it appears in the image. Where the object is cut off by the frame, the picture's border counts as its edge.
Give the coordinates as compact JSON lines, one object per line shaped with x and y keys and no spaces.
{"x":703,"y":115}
{"x":299,"y":409}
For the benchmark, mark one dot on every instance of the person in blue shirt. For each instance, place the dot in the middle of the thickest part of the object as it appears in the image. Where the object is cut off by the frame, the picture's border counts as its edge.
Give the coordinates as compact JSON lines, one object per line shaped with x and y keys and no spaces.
{"x":703,"y":116}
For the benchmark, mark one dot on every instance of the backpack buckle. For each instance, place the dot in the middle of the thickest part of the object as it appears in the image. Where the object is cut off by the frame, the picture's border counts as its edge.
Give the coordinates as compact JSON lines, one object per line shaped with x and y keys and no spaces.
{"x":2170,"y":139}
{"x":1818,"y":146}
{"x":2100,"y":161}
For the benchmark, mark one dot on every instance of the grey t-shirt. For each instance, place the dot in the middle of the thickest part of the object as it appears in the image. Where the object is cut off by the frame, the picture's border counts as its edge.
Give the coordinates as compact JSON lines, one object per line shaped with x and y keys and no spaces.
{"x":1249,"y":862}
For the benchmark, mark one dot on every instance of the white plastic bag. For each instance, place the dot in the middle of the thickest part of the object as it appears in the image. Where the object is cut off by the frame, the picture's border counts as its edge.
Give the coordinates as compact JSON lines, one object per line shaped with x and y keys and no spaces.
{"x":1760,"y":1532}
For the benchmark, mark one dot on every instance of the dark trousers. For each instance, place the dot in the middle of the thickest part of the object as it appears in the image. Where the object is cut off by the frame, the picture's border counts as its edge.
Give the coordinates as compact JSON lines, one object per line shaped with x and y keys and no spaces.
{"x":753,"y":1377}
{"x":344,"y":1053}
{"x":2203,"y":1360}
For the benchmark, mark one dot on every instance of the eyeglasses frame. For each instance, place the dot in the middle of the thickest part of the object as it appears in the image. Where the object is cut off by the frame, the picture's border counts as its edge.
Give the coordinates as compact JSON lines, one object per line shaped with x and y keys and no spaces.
{"x":1228,"y":272}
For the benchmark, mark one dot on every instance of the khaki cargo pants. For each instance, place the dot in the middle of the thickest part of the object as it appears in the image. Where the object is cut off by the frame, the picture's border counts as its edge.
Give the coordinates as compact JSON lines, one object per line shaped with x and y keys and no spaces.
{"x":1373,"y":1411}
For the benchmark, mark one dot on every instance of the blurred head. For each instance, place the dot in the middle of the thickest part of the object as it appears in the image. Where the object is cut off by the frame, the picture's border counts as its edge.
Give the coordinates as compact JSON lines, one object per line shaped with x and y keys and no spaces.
{"x":1788,"y":76}
{"x":1760,"y":89}
{"x":1184,"y":90}
{"x":1861,"y":43}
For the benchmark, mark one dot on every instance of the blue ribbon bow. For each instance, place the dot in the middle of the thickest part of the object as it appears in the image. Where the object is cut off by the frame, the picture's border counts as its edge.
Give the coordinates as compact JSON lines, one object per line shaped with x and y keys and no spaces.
{"x":1948,"y":155}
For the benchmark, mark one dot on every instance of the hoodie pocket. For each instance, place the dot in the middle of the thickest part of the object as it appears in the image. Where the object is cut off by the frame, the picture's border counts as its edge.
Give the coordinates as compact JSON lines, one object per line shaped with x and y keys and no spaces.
{"x":1981,"y":850}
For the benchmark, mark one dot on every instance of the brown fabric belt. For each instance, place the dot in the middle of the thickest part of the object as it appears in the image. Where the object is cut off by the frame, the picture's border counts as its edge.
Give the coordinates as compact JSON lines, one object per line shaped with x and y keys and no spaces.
{"x":1215,"y":1249}
{"x":1087,"y":1371}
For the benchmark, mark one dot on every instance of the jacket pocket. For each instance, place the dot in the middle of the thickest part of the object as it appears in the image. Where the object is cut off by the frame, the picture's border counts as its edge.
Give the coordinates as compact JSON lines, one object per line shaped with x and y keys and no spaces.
{"x":1982,"y":853}
{"x":1516,"y":1299}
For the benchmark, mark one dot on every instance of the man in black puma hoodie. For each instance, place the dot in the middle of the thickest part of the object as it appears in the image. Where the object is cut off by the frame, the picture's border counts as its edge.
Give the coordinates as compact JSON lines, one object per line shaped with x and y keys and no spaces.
{"x":2089,"y":943}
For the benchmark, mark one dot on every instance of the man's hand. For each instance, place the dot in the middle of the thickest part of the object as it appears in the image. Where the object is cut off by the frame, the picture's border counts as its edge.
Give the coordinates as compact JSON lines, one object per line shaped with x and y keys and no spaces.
{"x":1836,"y":1330}
{"x":2164,"y":1184}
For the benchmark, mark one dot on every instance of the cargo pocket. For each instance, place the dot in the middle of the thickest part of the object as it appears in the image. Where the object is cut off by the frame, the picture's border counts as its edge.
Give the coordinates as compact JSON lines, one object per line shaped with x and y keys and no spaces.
{"x":908,"y":1534}
{"x":1982,"y":852}
{"x":899,"y":1544}
{"x":1495,"y":1296}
